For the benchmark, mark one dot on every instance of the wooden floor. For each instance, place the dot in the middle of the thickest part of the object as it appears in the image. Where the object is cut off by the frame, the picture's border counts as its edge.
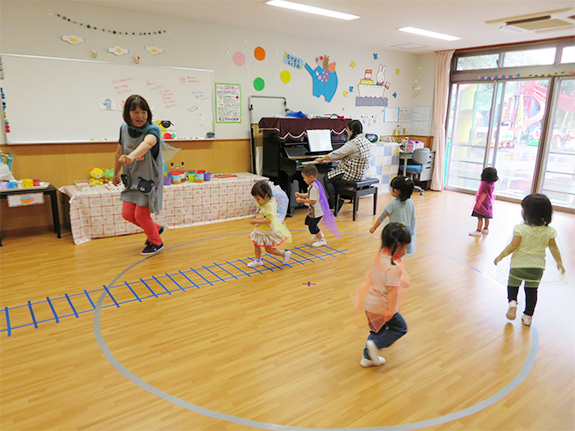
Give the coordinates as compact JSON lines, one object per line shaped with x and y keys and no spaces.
{"x":277,"y":350}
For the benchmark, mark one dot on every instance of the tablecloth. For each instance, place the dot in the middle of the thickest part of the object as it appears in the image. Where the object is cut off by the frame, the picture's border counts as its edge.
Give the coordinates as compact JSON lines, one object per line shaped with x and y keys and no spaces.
{"x":98,"y":213}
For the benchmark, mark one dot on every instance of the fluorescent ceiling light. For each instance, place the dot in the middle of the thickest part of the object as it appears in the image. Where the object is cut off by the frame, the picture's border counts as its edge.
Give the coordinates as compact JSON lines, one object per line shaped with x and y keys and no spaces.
{"x":428,"y":33}
{"x":311,"y":9}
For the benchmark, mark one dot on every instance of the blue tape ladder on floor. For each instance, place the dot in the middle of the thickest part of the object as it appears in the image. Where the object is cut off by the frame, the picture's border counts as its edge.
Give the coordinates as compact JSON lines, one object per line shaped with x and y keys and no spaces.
{"x":73,"y":305}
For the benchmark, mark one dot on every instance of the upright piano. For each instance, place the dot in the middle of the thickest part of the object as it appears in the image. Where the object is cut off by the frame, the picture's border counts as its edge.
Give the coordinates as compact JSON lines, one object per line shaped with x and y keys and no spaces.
{"x":285,"y":149}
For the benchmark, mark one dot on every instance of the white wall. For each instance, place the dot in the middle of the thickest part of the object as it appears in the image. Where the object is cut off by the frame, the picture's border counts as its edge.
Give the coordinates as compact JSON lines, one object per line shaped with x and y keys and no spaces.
{"x":27,"y":28}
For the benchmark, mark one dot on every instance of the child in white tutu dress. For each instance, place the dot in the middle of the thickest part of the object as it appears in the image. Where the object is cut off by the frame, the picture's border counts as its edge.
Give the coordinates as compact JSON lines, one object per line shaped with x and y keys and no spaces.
{"x":269,"y":232}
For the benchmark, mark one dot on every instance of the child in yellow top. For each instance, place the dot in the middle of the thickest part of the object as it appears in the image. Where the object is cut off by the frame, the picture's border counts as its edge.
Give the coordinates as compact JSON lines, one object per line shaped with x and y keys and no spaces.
{"x":269,"y":232}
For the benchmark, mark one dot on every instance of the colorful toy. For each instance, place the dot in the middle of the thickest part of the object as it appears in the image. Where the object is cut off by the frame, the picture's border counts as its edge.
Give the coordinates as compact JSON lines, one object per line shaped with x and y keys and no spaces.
{"x":168,"y":129}
{"x":96,"y":175}
{"x":109,"y":176}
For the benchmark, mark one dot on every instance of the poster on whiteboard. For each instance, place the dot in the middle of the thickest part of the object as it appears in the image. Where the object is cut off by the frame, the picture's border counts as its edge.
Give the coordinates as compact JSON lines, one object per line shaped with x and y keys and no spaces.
{"x":228,"y":103}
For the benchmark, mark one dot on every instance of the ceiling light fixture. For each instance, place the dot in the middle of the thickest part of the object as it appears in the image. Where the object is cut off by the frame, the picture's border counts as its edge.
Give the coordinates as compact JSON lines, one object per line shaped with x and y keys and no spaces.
{"x":311,"y":9}
{"x":428,"y":33}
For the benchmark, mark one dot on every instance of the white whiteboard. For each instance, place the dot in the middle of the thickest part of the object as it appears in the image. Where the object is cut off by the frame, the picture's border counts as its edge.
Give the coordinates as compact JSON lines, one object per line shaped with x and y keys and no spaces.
{"x":266,"y":106}
{"x":57,"y":100}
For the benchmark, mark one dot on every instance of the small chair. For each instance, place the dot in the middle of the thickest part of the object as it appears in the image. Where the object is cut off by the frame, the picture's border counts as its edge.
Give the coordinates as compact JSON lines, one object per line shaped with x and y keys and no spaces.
{"x":421,"y":156}
{"x":354,"y":190}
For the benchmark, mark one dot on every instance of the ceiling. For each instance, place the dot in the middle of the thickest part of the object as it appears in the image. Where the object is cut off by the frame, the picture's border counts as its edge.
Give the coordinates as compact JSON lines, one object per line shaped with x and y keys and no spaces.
{"x":376,"y":26}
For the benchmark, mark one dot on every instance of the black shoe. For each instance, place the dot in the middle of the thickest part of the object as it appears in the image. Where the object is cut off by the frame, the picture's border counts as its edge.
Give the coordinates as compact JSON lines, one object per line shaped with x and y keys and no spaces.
{"x":152,"y":249}
{"x":161,"y":231}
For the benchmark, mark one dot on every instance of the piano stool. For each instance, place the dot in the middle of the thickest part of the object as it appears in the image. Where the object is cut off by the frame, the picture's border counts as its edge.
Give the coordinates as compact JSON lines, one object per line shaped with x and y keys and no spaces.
{"x":354,"y":190}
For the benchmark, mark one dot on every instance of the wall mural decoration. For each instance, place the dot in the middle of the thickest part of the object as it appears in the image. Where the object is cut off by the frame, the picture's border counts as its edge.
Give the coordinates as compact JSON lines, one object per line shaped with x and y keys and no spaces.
{"x":154,"y":50}
{"x":72,"y":39}
{"x":118,"y":50}
{"x":293,"y":61}
{"x":324,"y":78}
{"x":371,"y":92}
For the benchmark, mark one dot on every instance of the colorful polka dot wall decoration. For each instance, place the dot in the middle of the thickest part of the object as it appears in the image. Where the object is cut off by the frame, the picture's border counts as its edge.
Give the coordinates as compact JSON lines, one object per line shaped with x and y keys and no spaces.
{"x":259,"y":53}
{"x":239,"y":58}
{"x":285,"y":76}
{"x":259,"y":84}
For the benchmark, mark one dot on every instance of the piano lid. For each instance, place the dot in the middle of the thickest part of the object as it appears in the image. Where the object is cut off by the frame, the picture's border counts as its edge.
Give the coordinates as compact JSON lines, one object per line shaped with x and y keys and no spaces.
{"x":295,"y":128}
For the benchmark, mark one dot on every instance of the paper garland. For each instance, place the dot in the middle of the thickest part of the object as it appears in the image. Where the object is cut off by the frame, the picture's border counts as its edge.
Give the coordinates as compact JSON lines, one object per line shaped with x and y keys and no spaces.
{"x":93,"y":27}
{"x":518,"y":75}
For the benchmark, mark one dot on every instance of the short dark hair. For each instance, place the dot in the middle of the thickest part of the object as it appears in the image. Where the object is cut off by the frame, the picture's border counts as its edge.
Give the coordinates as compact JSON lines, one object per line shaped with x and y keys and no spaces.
{"x":489,"y":175}
{"x":262,"y":189}
{"x":537,"y":209}
{"x":404,"y":185}
{"x":309,"y":170}
{"x":133,"y":102}
{"x":356,"y":128}
{"x":393,"y":235}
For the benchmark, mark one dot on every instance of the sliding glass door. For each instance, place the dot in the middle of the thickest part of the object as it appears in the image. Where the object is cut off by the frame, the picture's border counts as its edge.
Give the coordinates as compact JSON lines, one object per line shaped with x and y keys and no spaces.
{"x":468,"y":133}
{"x":513,"y":126}
{"x":558,"y":178}
{"x":520,"y":108}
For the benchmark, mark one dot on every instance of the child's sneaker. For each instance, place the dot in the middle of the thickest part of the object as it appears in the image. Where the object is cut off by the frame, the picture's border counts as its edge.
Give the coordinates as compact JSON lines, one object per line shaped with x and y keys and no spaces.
{"x":255,"y":264}
{"x":485,"y":231}
{"x":526,"y":319}
{"x":152,"y":249}
{"x":366,"y":363}
{"x":287,"y":255}
{"x":512,"y":310}
{"x":313,"y":238}
{"x":373,"y":352}
{"x":475,"y":233}
{"x":320,"y":243}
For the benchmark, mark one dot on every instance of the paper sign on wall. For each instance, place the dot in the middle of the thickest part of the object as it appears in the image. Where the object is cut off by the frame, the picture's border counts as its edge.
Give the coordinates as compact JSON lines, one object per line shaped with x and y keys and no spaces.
{"x":228,"y":103}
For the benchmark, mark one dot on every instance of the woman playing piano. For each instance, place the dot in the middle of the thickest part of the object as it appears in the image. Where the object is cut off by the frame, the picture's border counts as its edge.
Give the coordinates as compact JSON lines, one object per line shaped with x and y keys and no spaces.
{"x":354,"y":157}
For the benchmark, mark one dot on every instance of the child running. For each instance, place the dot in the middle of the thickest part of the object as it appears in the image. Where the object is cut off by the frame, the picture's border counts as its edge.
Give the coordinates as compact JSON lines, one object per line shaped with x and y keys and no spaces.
{"x":401,"y":209}
{"x":383,"y":293}
{"x":484,"y":198}
{"x":269,"y":232}
{"x":316,"y":199}
{"x":530,"y":239}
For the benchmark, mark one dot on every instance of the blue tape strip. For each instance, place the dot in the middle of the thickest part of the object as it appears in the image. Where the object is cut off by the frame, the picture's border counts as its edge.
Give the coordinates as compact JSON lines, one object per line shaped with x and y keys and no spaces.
{"x":32,"y":314}
{"x":303,"y":258}
{"x":146,"y":284}
{"x":113,"y":299}
{"x":71,"y":305}
{"x":187,"y":278}
{"x":239,"y":269}
{"x":225,"y":270}
{"x":215,"y":275}
{"x":207,"y":281}
{"x":135,"y":294}
{"x":311,"y":254}
{"x":90,"y":299}
{"x":272,"y":263}
{"x":175,"y":282}
{"x":158,"y":281}
{"x":8,"y":327}
{"x":53,"y":311}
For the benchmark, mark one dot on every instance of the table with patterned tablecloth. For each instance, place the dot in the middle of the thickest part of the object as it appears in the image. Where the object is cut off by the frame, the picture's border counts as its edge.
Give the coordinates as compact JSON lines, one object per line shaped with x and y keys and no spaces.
{"x":97,"y":213}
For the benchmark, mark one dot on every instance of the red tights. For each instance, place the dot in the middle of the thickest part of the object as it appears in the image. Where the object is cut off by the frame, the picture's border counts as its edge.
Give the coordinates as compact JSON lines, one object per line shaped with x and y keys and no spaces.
{"x":140,"y":216}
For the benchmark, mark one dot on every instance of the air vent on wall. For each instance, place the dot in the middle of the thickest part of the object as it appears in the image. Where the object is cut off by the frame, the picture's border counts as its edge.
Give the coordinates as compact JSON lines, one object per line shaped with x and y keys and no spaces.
{"x":553,"y":20}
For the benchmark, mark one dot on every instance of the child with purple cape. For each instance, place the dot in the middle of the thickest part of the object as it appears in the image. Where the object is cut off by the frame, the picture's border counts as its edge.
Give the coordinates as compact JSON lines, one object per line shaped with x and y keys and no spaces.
{"x":316,"y":194}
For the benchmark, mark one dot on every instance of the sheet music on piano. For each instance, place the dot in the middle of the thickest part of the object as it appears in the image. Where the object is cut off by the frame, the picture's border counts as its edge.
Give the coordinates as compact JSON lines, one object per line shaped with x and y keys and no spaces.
{"x":319,"y":141}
